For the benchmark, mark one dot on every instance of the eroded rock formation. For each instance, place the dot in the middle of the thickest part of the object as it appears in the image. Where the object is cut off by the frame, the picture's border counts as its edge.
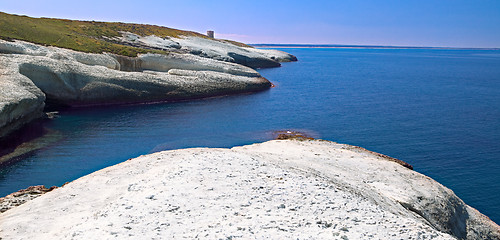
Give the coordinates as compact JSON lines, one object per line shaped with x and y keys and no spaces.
{"x":30,"y":74}
{"x":210,"y":48}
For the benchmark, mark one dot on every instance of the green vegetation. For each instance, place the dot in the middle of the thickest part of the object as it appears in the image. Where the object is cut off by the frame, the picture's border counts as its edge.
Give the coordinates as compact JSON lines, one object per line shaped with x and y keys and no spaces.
{"x":84,"y":36}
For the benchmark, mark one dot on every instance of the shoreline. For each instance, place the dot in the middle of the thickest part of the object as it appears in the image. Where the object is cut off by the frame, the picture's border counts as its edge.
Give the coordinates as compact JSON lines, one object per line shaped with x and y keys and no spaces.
{"x":35,"y":75}
{"x":17,"y":145}
{"x":291,"y":134}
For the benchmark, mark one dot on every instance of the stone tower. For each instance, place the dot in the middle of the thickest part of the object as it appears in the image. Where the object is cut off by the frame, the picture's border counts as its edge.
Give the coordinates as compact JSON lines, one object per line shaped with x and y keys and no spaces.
{"x":210,"y":34}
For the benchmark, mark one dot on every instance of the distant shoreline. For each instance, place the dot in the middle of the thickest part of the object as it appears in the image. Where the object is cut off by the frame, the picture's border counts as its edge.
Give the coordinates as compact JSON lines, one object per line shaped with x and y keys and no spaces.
{"x":359,"y":46}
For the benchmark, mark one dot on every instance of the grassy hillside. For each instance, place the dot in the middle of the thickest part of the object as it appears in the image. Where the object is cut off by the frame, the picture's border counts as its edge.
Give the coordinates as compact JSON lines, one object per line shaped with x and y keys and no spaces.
{"x":85,"y":36}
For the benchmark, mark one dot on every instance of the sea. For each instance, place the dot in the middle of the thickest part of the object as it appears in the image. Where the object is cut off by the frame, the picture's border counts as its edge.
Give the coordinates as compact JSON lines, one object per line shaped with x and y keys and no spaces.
{"x":437,"y":109}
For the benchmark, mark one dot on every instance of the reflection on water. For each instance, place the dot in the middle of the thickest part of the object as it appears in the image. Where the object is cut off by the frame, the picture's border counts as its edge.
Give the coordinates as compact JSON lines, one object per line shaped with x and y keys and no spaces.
{"x":22,"y":150}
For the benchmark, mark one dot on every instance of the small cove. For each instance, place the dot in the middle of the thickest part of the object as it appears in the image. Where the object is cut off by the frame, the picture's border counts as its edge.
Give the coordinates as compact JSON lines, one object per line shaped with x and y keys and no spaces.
{"x":438,"y":110}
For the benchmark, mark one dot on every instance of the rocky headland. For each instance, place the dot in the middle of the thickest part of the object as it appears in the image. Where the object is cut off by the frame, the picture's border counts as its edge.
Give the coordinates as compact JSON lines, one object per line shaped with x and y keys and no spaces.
{"x":300,"y":188}
{"x":65,"y":62}
{"x":284,"y":189}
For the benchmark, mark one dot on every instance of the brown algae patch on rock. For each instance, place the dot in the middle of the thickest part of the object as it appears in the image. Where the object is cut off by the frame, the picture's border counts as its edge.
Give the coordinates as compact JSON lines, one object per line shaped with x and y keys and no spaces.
{"x":291,"y":134}
{"x":22,"y":196}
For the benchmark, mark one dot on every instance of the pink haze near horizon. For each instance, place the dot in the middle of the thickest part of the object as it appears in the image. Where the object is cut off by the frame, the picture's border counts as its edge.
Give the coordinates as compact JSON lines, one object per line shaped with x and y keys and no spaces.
{"x":445,"y":23}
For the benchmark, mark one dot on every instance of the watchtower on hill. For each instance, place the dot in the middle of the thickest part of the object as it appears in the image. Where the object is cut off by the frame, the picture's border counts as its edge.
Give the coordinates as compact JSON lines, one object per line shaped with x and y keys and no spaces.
{"x":210,"y":34}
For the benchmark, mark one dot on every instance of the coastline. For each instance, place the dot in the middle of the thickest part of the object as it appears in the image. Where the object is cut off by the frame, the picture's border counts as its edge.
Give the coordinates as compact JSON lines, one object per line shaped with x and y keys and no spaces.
{"x":280,"y":46}
{"x":35,"y":74}
{"x":106,"y":63}
{"x":452,"y":229}
{"x":22,"y":141}
{"x":287,"y":188}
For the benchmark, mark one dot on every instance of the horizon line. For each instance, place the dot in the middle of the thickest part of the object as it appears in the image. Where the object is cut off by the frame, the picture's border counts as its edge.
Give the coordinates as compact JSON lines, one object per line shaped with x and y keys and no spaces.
{"x":312,"y":45}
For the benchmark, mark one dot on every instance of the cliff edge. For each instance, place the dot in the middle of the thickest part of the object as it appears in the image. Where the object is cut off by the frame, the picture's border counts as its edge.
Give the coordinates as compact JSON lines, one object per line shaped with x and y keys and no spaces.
{"x":83,"y":63}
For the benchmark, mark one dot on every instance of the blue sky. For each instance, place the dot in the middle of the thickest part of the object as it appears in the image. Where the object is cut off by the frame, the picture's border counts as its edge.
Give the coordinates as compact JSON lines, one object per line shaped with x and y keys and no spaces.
{"x":453,"y":23}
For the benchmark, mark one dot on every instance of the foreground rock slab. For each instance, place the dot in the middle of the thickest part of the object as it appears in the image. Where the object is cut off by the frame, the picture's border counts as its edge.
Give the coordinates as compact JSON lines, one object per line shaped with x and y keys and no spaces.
{"x":280,"y":189}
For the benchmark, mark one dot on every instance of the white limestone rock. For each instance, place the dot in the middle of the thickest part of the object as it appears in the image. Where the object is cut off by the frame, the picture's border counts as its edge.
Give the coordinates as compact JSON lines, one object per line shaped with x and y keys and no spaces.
{"x":73,"y":83}
{"x":224,"y":51}
{"x":20,"y":100}
{"x":21,"y":47}
{"x":276,"y":55}
{"x":163,"y":63}
{"x":281,"y":189}
{"x":29,"y":73}
{"x":210,"y":48}
{"x":26,"y":48}
{"x":152,"y":41}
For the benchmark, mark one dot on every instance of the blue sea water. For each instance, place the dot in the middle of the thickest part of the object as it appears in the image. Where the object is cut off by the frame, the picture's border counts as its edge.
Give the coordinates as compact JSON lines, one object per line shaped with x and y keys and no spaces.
{"x":436,"y":109}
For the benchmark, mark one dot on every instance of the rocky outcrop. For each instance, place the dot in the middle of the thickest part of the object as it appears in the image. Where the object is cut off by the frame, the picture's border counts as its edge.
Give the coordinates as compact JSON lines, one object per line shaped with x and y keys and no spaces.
{"x":276,"y":55}
{"x":30,"y":74}
{"x":164,"y":63}
{"x":152,"y":41}
{"x":220,"y":50}
{"x":20,"y":100}
{"x":22,"y":196}
{"x":73,"y":84}
{"x":279,"y":189}
{"x":210,"y":48}
{"x":65,"y":55}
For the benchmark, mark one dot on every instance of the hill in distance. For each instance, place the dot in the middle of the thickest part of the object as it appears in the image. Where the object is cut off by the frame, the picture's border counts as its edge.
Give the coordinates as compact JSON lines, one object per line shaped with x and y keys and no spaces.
{"x":85,"y":36}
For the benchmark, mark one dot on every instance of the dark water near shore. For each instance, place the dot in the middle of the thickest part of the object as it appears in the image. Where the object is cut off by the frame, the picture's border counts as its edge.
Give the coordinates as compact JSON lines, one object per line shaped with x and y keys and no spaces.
{"x":439,"y":110}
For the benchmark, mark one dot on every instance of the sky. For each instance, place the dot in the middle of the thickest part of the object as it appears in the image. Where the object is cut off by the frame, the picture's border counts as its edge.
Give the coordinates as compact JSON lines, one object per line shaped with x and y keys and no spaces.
{"x":434,"y":23}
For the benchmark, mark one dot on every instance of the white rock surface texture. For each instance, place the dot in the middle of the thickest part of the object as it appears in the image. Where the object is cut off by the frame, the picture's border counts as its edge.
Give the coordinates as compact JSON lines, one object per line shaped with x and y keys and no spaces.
{"x":20,"y":100}
{"x":210,"y":48}
{"x":281,"y":189}
{"x":220,"y":50}
{"x":30,"y":74}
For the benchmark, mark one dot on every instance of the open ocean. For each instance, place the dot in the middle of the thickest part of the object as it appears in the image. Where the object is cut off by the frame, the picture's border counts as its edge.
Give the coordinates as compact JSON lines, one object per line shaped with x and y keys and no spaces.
{"x":437,"y":109}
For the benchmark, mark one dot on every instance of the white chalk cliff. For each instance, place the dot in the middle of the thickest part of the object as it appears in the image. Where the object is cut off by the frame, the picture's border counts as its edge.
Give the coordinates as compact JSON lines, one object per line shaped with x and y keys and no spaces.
{"x":210,"y":48}
{"x":30,"y":74}
{"x":282,"y":189}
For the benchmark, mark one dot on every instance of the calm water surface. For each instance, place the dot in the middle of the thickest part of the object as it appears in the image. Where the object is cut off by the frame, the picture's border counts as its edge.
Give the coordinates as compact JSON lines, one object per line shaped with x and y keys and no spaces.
{"x":439,"y":110}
